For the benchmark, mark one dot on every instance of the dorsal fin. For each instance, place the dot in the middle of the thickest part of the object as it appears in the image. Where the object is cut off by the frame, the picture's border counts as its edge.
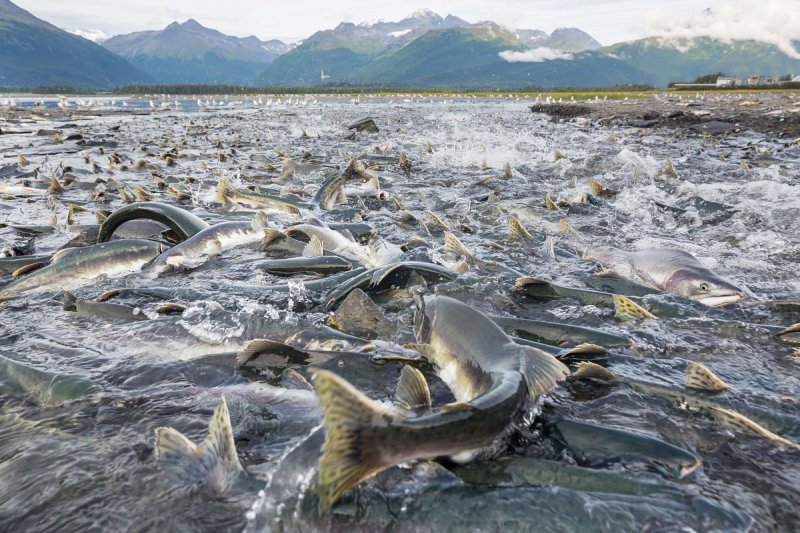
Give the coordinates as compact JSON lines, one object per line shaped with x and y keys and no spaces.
{"x":455,"y":248}
{"x":258,"y":347}
{"x":589,"y":370}
{"x":738,"y":421}
{"x":627,"y":309}
{"x":434,"y":219}
{"x":220,"y":436}
{"x":699,"y":377}
{"x":314,"y":248}
{"x":516,"y":230}
{"x":412,"y":389}
{"x":55,"y":186}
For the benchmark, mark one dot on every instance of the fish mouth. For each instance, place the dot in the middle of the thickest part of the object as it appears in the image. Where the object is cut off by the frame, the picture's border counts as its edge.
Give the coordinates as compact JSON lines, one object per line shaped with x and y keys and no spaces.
{"x":720,"y":300}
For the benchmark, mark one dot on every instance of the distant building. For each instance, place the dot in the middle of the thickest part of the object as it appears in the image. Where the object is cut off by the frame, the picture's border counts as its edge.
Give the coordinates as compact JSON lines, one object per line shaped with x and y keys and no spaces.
{"x":796,"y":79}
{"x":728,"y":81}
{"x":763,"y":80}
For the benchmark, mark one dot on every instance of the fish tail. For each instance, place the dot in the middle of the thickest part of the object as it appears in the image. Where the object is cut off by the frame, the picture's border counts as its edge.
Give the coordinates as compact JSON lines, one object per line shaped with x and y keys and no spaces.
{"x":193,"y":462}
{"x":352,"y":422}
{"x":225,"y":191}
{"x":542,"y":371}
{"x":261,"y":220}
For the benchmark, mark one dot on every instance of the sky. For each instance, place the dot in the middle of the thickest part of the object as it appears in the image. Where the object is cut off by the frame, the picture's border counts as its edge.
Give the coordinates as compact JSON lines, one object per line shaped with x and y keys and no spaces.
{"x":608,"y":21}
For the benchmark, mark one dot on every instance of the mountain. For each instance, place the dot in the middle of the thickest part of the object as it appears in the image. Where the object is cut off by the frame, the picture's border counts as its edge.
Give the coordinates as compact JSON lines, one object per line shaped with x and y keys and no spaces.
{"x":438,"y":53}
{"x":33,"y":52}
{"x":191,"y":53}
{"x":348,"y":47}
{"x":571,"y":40}
{"x":96,"y":36}
{"x":685,"y":59}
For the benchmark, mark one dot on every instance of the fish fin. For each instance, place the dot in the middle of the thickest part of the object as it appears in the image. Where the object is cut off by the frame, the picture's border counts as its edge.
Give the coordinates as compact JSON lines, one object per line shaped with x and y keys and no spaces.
{"x":794,"y":328}
{"x":606,"y":272}
{"x":261,"y":220}
{"x":382,"y":252}
{"x":108,"y":295}
{"x":412,"y":389}
{"x":735,"y":420}
{"x":257,"y":347}
{"x":550,"y":204}
{"x":27,"y":268}
{"x":455,"y":248}
{"x":270,"y":236}
{"x":339,"y":197}
{"x":351,"y":421}
{"x":195,"y":463}
{"x":69,"y":301}
{"x":589,"y":370}
{"x":525,"y":281}
{"x":516,"y":230}
{"x":625,"y":308}
{"x":699,"y":377}
{"x":225,"y":191}
{"x":584,"y":348}
{"x":374,"y":182}
{"x":436,"y":221}
{"x":55,"y":186}
{"x":455,"y":407}
{"x":295,"y":379}
{"x":172,"y":444}
{"x":314,"y":248}
{"x":542,"y":371}
{"x":220,"y":436}
{"x":549,"y":248}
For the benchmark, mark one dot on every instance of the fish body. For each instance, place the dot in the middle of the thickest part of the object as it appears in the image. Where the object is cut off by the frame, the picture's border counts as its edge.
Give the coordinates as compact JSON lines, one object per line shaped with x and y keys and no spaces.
{"x":674,"y":271}
{"x":183,"y":223}
{"x":493,"y":380}
{"x":377,"y":253}
{"x":227,"y":193}
{"x":207,"y":243}
{"x":75,"y":267}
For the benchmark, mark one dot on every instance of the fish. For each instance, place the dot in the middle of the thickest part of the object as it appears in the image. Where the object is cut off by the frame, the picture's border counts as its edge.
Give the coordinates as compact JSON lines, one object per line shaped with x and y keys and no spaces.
{"x":329,"y":264}
{"x":183,"y":223}
{"x":492,"y":378}
{"x":227,"y":194}
{"x":699,"y":395}
{"x":46,"y":388}
{"x":671,"y":270}
{"x":378,"y":252}
{"x":72,"y":268}
{"x":331,"y":192}
{"x":209,"y":242}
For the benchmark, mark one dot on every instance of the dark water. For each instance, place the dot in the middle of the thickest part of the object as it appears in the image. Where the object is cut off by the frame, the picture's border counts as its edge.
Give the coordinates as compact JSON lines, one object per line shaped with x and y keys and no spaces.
{"x":87,"y":463}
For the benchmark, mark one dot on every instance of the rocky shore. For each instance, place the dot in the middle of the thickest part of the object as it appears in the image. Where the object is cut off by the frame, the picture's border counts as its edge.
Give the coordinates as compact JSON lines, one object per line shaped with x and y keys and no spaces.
{"x":717,"y":114}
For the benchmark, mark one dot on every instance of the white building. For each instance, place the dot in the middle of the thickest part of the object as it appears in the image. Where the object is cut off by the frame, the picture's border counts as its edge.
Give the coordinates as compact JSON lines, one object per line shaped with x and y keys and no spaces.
{"x":727,"y":81}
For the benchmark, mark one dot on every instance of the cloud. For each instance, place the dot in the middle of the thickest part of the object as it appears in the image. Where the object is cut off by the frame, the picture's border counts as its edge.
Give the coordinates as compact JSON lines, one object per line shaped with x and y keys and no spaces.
{"x":775,"y":22}
{"x":537,"y":55}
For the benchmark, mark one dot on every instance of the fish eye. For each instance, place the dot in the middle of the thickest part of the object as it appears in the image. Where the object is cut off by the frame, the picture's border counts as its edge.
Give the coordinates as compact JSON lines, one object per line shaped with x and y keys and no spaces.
{"x":704,"y":287}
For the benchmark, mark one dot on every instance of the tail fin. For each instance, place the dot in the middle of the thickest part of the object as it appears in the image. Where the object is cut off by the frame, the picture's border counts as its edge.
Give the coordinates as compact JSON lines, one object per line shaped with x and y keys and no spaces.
{"x":261,"y":220}
{"x":542,"y":371}
{"x":625,"y":308}
{"x":225,"y":191}
{"x":412,"y":389}
{"x":348,"y":456}
{"x":436,"y":221}
{"x":698,"y":376}
{"x":214,"y":461}
{"x":314,"y":248}
{"x":55,"y":186}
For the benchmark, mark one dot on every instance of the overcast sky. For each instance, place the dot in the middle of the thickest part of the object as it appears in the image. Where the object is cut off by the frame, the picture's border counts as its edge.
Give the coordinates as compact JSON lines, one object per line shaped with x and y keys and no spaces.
{"x":608,"y":21}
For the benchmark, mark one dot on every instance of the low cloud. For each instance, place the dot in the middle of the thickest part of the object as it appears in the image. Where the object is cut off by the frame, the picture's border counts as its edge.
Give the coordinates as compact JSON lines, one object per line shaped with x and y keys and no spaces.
{"x":536,"y":55}
{"x":774,"y":22}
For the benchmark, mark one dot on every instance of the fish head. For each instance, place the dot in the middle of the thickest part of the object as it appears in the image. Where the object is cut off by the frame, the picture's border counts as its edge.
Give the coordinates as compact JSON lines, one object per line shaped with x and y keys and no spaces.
{"x":704,"y":286}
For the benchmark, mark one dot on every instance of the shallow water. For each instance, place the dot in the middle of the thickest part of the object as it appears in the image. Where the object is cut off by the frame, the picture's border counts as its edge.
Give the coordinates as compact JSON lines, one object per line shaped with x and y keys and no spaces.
{"x":87,"y":463}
